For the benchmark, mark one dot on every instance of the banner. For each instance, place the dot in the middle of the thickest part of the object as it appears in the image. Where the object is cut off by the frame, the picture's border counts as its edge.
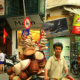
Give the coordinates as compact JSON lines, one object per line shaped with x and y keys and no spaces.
{"x":4,"y":36}
{"x":57,"y":27}
{"x":47,"y":52}
{"x":76,"y":24}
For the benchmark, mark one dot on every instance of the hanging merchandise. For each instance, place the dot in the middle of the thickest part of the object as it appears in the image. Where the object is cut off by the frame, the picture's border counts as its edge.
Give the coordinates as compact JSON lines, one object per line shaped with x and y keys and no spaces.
{"x":76,"y":24}
{"x":77,"y":39}
{"x":32,"y":61}
{"x":43,"y":42}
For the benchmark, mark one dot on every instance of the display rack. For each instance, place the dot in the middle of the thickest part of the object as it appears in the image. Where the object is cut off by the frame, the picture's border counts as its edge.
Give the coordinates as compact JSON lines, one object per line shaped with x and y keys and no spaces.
{"x":74,"y":50}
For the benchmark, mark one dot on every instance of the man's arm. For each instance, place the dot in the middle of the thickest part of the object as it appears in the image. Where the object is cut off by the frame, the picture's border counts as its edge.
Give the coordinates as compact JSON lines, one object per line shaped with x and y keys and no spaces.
{"x":46,"y":75}
{"x":65,"y":67}
{"x":47,"y":68}
{"x":66,"y":71}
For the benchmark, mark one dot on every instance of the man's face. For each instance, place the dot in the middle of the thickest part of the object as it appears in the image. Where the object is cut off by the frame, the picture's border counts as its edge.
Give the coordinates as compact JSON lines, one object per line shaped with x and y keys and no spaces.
{"x":57,"y":50}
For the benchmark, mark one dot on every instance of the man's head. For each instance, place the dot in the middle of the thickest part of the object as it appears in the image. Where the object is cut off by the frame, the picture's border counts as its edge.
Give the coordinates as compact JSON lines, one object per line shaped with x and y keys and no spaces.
{"x":58,"y":48}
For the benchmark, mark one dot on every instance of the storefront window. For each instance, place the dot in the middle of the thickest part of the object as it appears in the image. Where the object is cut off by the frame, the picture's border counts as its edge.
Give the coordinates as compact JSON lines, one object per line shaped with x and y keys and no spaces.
{"x":34,"y":33}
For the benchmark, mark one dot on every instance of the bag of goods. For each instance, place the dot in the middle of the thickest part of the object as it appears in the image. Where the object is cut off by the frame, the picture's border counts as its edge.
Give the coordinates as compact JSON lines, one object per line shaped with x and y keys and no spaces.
{"x":39,"y":56}
{"x":9,"y":71}
{"x":25,"y":64}
{"x":23,"y":75}
{"x":22,"y":57}
{"x":33,"y":67}
{"x":11,"y":76}
{"x":16,"y":78}
{"x":17,"y":68}
{"x":29,"y":51}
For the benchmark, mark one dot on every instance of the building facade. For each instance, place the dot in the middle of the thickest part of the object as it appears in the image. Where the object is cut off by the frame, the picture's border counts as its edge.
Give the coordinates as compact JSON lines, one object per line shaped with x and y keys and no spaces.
{"x":11,"y":10}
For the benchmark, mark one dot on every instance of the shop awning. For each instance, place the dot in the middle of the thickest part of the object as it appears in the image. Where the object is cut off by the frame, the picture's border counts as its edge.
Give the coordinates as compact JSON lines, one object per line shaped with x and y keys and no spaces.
{"x":17,"y":23}
{"x":73,"y":10}
{"x":56,"y":3}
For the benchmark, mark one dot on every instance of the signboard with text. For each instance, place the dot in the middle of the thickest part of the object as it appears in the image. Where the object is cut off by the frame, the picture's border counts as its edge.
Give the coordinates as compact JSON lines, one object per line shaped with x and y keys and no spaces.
{"x":56,"y":27}
{"x":76,"y":24}
{"x":17,"y":23}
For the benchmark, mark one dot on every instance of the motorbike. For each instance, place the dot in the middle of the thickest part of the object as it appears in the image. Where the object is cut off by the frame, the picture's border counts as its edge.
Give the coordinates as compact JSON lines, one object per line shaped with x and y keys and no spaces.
{"x":74,"y":67}
{"x":10,"y":61}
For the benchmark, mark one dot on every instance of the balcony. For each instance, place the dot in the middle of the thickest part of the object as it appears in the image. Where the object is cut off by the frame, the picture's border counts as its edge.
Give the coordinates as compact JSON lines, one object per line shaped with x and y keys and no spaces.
{"x":15,"y":7}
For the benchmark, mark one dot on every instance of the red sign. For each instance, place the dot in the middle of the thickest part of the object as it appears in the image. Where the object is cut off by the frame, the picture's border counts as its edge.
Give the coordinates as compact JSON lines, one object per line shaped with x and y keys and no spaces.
{"x":27,"y":23}
{"x":4,"y":36}
{"x":76,"y":24}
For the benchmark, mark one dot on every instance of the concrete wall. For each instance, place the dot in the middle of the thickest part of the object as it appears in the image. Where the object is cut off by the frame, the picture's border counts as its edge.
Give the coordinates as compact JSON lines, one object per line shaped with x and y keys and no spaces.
{"x":54,"y":11}
{"x":2,"y":9}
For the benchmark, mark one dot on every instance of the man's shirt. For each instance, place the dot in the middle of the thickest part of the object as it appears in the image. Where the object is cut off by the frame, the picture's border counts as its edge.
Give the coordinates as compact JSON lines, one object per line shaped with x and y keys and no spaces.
{"x":55,"y":67}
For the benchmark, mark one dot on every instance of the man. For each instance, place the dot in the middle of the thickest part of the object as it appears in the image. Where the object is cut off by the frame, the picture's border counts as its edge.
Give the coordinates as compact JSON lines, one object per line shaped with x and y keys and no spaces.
{"x":56,"y":64}
{"x":2,"y":57}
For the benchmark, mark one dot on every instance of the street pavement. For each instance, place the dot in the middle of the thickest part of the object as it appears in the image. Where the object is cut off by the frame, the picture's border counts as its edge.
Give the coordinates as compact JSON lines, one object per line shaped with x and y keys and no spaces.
{"x":5,"y":76}
{"x":76,"y":77}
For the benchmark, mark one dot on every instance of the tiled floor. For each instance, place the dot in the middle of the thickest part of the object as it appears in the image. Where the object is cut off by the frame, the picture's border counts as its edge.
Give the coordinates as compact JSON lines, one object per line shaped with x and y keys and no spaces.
{"x":6,"y":77}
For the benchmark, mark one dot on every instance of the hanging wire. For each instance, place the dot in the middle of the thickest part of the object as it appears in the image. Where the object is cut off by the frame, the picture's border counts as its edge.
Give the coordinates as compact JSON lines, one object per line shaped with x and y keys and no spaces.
{"x":24,"y":8}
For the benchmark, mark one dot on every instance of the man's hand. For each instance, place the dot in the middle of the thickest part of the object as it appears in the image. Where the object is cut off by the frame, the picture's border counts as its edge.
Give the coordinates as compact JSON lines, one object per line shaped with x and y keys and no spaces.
{"x":46,"y":78}
{"x":66,"y":71}
{"x":66,"y":74}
